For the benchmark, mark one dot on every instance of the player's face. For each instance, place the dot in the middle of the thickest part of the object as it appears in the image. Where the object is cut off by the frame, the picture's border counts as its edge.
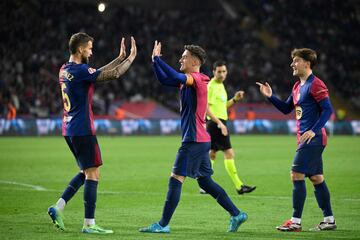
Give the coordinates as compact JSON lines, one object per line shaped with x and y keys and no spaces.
{"x":86,"y":52}
{"x":186,"y":61}
{"x":299,"y":66}
{"x":220,"y":73}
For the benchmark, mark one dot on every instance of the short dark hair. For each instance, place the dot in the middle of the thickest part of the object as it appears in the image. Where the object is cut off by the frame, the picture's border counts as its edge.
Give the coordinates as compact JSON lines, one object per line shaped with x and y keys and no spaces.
{"x":197,"y":51}
{"x":218,"y":63}
{"x":77,"y":40}
{"x":305,"y":53}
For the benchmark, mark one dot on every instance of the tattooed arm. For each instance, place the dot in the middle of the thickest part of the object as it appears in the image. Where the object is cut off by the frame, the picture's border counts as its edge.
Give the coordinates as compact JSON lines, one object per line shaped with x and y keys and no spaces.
{"x":117,"y":60}
{"x":119,"y":69}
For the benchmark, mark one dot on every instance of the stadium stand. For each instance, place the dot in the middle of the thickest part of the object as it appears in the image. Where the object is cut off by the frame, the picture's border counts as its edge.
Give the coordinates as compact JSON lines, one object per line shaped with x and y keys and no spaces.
{"x":254,"y":37}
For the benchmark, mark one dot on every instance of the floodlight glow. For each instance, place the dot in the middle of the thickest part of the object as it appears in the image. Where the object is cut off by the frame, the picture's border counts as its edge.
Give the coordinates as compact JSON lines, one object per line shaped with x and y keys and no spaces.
{"x":101,"y":7}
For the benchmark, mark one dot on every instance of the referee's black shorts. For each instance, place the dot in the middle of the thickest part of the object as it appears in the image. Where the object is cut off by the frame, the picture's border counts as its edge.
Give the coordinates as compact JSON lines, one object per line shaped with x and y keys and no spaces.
{"x":218,"y":140}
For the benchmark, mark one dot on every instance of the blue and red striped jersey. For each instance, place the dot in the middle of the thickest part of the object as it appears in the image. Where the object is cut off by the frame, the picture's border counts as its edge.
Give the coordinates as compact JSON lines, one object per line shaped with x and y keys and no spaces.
{"x":193,"y":109}
{"x":77,"y":88}
{"x":306,"y":100}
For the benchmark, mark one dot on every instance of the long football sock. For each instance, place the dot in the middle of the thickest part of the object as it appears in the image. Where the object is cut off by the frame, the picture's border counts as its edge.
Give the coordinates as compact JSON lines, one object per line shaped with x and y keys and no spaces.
{"x":172,"y":200}
{"x":71,"y":189}
{"x":323,"y":198}
{"x":299,"y":196}
{"x":231,"y":170}
{"x":219,"y":194}
{"x":90,"y":192}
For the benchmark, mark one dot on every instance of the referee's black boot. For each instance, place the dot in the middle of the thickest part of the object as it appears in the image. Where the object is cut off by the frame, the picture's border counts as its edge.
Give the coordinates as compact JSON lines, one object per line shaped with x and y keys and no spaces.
{"x":246,"y":189}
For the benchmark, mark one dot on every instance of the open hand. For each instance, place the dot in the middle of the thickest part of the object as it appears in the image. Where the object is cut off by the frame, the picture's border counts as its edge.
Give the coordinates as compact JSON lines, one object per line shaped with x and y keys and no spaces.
{"x":122,"y":53}
{"x":157,"y":50}
{"x":307,"y":136}
{"x":265,"y":89}
{"x":239,"y":95}
{"x":133,"y":49}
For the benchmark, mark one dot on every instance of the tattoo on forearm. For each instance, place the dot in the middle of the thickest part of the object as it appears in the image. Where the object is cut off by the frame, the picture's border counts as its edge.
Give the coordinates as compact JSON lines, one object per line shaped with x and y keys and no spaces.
{"x":111,"y":64}
{"x":115,"y":73}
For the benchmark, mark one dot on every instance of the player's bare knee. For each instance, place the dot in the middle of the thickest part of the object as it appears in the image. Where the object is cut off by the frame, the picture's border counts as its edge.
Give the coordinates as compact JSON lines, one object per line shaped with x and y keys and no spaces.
{"x":212,"y":155}
{"x":229,"y":154}
{"x":316,"y":179}
{"x":295,"y":176}
{"x":178,"y":177}
{"x":92,"y":173}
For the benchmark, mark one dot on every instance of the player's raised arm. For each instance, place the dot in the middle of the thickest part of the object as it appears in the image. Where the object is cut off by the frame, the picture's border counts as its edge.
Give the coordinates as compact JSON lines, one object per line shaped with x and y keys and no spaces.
{"x":284,"y":107}
{"x":120,"y":69}
{"x":161,"y":76}
{"x":164,"y":73}
{"x":118,"y":60}
{"x":156,"y":50}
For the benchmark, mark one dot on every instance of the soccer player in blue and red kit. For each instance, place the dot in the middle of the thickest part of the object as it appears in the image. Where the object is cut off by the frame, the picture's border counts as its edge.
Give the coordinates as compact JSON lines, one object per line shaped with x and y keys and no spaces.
{"x":192,"y":159}
{"x":77,"y":82}
{"x":310,"y":99}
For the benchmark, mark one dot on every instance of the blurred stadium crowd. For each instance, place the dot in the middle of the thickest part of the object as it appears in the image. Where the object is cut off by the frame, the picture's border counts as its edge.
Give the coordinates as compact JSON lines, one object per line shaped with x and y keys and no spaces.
{"x":254,"y":37}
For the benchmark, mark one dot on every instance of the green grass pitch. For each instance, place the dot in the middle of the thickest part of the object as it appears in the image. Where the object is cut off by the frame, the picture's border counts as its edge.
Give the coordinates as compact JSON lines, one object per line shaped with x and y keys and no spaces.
{"x":133,"y":187}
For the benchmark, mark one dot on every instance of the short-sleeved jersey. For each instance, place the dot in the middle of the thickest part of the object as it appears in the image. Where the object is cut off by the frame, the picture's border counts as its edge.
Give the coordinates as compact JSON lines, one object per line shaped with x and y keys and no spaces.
{"x":217,"y":98}
{"x":306,"y":100}
{"x":77,"y":88}
{"x":193,"y":109}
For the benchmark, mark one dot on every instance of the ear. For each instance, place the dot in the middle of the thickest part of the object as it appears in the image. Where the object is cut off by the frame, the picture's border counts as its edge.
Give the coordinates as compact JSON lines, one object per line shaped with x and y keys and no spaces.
{"x":196,"y":61}
{"x":80,"y":49}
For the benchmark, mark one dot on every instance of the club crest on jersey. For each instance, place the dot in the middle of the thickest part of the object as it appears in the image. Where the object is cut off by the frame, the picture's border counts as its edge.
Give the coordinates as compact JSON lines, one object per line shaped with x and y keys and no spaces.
{"x":298,"y":97}
{"x":298,"y":112}
{"x":91,"y":70}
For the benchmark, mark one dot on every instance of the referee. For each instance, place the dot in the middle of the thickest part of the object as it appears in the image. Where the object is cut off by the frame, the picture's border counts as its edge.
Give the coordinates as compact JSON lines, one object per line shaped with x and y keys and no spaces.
{"x":218,"y":105}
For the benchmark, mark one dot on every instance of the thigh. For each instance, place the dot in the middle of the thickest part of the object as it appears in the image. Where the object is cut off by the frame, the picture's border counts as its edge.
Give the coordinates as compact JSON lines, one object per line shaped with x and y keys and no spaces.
{"x":205,"y":168}
{"x":181,"y":161}
{"x":70,"y":144}
{"x":193,"y":160}
{"x":308,"y":161}
{"x":87,"y":151}
{"x":218,"y":140}
{"x":213,"y":131}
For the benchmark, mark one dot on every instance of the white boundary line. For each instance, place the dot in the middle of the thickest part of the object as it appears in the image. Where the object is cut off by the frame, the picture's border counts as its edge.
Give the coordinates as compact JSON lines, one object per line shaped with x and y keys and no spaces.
{"x":35,"y":187}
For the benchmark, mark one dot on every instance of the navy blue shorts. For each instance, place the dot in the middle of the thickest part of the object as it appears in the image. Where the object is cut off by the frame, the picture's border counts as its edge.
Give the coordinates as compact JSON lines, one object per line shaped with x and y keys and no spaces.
{"x":86,"y":151}
{"x":308,"y":161}
{"x":193,"y":160}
